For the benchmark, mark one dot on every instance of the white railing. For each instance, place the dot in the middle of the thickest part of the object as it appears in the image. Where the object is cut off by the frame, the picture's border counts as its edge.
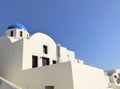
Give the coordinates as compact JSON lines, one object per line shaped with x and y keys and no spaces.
{"x":4,"y":84}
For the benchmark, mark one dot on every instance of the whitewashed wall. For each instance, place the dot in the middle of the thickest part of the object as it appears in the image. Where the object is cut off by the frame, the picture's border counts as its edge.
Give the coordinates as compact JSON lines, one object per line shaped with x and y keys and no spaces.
{"x":58,"y":75}
{"x":88,"y":77}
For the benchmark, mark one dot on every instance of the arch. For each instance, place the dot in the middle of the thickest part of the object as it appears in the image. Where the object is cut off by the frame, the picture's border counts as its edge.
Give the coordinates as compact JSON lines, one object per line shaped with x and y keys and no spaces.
{"x":21,"y":33}
{"x":43,"y":37}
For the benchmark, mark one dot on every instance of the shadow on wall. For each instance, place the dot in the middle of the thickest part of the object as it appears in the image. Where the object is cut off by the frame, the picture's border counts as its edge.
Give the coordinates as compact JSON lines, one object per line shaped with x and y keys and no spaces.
{"x":4,"y":84}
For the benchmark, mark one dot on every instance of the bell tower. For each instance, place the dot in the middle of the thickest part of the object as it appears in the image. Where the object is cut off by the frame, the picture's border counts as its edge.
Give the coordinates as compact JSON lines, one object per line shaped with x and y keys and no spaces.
{"x":17,"y":30}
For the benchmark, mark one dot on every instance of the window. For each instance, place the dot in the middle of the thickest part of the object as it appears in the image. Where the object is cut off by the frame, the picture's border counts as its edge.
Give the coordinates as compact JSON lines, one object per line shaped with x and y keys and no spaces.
{"x":34,"y":61}
{"x":45,"y":61}
{"x":54,"y":62}
{"x":11,"y":33}
{"x":115,"y":76}
{"x":45,"y":49}
{"x":21,"y":33}
{"x":49,"y":87}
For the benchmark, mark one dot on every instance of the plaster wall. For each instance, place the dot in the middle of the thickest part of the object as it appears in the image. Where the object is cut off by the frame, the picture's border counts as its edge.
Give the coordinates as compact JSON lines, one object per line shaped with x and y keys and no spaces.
{"x":6,"y":58}
{"x":17,"y":56}
{"x":57,"y":75}
{"x":66,"y":55}
{"x":4,"y":84}
{"x":88,"y":77}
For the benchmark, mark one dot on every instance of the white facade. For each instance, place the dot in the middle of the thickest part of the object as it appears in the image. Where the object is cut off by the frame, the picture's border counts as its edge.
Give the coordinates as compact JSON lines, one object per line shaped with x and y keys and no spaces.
{"x":37,"y":62}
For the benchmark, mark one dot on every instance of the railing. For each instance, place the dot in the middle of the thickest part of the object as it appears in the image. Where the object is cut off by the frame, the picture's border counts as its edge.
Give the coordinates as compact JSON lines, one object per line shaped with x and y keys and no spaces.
{"x":4,"y":84}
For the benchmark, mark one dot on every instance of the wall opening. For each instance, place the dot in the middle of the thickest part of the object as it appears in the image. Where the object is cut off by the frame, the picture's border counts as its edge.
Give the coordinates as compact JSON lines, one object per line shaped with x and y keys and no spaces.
{"x":45,"y":61}
{"x":11,"y":33}
{"x":54,"y":62}
{"x":49,"y":87}
{"x":45,"y":49}
{"x":21,"y":33}
{"x":34,"y":61}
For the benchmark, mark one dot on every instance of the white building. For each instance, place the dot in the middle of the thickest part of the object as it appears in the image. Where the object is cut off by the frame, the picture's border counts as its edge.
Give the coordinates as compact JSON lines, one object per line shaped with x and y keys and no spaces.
{"x":37,"y":62}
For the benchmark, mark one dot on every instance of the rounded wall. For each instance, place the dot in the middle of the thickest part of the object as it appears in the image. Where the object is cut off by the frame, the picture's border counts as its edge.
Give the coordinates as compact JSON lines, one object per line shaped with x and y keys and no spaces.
{"x":40,"y":40}
{"x":40,"y":45}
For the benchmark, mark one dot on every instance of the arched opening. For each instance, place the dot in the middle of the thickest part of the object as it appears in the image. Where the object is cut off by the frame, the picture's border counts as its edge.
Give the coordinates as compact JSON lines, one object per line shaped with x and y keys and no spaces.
{"x":11,"y":33}
{"x":21,"y":33}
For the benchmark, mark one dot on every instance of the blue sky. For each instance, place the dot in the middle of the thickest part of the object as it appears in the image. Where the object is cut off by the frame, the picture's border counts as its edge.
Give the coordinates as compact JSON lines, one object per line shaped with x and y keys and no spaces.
{"x":91,"y":28}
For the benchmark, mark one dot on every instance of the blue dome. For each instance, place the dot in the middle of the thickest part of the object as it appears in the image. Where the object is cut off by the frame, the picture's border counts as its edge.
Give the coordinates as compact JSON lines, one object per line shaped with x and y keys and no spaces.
{"x":17,"y":25}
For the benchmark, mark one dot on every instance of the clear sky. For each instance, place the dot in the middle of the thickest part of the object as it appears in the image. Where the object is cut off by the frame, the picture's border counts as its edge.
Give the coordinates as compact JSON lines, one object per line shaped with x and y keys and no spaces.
{"x":91,"y":28}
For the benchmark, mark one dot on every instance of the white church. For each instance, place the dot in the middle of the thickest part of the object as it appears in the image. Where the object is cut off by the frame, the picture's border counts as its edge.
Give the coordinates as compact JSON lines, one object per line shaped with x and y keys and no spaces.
{"x":37,"y":62}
